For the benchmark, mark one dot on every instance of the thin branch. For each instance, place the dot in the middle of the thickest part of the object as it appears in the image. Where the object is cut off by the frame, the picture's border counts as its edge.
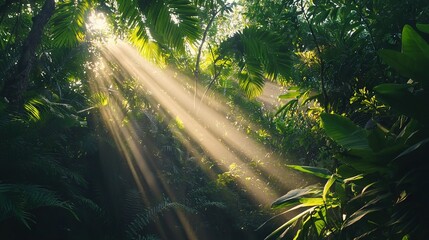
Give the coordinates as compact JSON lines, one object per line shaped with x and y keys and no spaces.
{"x":322,"y":62}
{"x":200,"y":49}
{"x":215,"y":76}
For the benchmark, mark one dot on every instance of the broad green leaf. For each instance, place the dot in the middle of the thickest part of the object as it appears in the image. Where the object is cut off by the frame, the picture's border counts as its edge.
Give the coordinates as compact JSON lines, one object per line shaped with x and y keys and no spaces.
{"x":260,"y":54}
{"x":406,"y":65}
{"x":413,"y":148}
{"x":346,"y":171}
{"x":414,"y":45}
{"x":294,"y":88}
{"x":309,"y":202}
{"x":408,"y":131}
{"x":358,"y":215}
{"x":423,"y":27}
{"x":401,"y":99}
{"x":316,"y":171}
{"x":289,"y":95}
{"x":320,"y":222}
{"x":413,"y":60}
{"x":364,"y":165}
{"x":293,"y":197}
{"x":354,"y":178}
{"x":344,"y":132}
{"x":328,"y":186}
{"x":291,"y":221}
{"x":287,"y":107}
{"x":311,"y":97}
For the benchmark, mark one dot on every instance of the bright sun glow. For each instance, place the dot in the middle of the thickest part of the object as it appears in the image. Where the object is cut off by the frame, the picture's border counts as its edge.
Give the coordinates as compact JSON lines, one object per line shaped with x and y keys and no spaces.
{"x":97,"y":22}
{"x":98,"y":27}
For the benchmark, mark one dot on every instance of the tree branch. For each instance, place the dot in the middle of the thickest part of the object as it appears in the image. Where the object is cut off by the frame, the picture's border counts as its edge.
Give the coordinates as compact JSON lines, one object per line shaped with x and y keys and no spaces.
{"x":16,"y":85}
{"x":322,"y":62}
{"x":200,"y":49}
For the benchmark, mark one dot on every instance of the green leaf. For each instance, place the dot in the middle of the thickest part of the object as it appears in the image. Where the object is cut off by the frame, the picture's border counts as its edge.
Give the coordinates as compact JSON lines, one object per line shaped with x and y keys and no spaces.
{"x":288,"y":107}
{"x":423,"y":27}
{"x":68,"y":23}
{"x":346,"y":171}
{"x":413,"y":148}
{"x":261,"y":54}
{"x":344,"y":132}
{"x":328,"y":186}
{"x":406,"y":65}
{"x":407,"y":237}
{"x":309,"y":202}
{"x":412,"y":61}
{"x":316,"y":171}
{"x":358,"y":215}
{"x":289,"y":95}
{"x":354,"y":178}
{"x":400,"y":98}
{"x":291,"y":221}
{"x":414,"y":45}
{"x":294,"y":197}
{"x":17,"y":199}
{"x":252,"y":81}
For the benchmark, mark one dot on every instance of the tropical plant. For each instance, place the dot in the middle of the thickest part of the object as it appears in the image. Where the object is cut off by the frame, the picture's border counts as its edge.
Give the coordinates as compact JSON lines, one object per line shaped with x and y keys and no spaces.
{"x":376,"y":192}
{"x":260,"y":54}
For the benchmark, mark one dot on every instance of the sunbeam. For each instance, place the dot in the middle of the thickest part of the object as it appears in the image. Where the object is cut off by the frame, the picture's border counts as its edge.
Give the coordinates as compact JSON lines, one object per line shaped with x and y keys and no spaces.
{"x":145,"y":172}
{"x":207,"y":126}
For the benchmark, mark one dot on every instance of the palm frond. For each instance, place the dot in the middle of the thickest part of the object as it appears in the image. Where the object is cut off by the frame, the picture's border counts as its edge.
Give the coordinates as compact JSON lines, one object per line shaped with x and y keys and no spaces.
{"x":68,"y":23}
{"x":269,"y":49}
{"x":252,"y":79}
{"x":146,"y":46}
{"x":261,"y":54}
{"x":172,"y":22}
{"x":166,"y":23}
{"x":40,"y":108}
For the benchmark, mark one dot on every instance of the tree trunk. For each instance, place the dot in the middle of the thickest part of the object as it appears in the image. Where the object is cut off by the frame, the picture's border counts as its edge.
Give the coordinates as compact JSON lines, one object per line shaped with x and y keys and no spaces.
{"x":17,"y":84}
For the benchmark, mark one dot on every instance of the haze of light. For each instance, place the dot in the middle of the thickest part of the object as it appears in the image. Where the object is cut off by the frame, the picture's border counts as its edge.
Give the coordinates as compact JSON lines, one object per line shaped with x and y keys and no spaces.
{"x":207,"y":128}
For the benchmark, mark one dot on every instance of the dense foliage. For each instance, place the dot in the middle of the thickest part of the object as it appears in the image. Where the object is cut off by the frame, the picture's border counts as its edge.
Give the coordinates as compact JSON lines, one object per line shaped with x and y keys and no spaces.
{"x":353,"y":115}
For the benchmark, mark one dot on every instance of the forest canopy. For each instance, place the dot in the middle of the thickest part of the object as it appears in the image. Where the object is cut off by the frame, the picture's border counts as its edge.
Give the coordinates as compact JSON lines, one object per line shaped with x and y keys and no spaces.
{"x":212,"y":119}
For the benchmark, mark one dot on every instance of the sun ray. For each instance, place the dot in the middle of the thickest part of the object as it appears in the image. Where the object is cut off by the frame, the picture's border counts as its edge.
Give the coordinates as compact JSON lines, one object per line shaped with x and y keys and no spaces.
{"x":215,"y":134}
{"x":209,"y":131}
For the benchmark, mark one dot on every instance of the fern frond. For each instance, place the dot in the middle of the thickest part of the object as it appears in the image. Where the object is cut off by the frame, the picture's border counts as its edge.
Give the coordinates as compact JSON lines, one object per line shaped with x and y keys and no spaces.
{"x":16,"y":200}
{"x":137,"y":226}
{"x":44,"y":165}
{"x":88,"y":204}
